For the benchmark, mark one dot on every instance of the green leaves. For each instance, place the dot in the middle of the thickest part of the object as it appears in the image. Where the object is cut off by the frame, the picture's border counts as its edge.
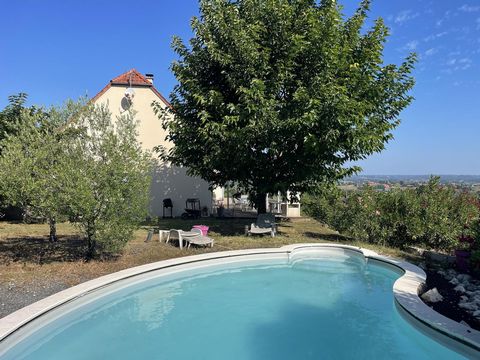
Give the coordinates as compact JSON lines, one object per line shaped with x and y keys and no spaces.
{"x":111,"y":192}
{"x":76,"y":162}
{"x":431,"y":216}
{"x":281,"y":94}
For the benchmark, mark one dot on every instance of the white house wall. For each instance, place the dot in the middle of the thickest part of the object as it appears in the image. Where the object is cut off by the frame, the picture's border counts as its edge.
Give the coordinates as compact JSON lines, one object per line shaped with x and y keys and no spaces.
{"x":168,"y":182}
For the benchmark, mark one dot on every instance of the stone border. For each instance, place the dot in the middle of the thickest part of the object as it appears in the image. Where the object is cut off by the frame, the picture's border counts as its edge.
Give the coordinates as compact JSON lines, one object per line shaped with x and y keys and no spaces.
{"x":405,"y":289}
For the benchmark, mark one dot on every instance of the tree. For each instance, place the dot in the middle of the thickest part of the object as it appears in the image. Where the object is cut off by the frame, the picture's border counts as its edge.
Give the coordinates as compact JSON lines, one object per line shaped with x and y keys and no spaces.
{"x":281,"y":95}
{"x":11,"y":122}
{"x":33,"y":165}
{"x":75,"y":162}
{"x":109,"y":190}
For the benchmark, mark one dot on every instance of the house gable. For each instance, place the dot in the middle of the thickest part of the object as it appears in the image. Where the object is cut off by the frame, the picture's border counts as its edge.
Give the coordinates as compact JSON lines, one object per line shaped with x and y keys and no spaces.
{"x":132,"y":78}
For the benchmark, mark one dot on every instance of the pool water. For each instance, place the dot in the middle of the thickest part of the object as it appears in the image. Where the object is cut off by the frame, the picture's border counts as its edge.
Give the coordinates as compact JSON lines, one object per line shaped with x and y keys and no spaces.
{"x":329,"y":308}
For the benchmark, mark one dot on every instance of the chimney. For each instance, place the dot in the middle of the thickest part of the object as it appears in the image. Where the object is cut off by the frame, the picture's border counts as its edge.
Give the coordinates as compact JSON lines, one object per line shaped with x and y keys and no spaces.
{"x":149,"y":78}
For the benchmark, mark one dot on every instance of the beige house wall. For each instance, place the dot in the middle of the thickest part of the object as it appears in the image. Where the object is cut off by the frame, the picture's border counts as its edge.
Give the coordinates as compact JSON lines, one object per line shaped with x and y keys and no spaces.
{"x":168,"y":182}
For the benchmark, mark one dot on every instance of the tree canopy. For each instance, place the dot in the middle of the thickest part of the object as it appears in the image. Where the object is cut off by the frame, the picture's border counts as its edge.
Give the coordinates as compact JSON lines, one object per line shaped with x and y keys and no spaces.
{"x":75,"y":162}
{"x":280,"y":95}
{"x":33,"y":165}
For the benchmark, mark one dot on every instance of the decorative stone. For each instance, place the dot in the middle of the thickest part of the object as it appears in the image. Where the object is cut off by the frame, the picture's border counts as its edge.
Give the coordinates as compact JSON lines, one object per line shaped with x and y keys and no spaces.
{"x":441,"y":272}
{"x":459,"y":288}
{"x":468,"y":306}
{"x":432,"y":296}
{"x":454,"y":281}
{"x":463,"y":277}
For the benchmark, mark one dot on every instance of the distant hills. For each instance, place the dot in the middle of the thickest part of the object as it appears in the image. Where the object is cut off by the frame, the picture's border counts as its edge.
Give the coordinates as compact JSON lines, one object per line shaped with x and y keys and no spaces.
{"x":465,"y":179}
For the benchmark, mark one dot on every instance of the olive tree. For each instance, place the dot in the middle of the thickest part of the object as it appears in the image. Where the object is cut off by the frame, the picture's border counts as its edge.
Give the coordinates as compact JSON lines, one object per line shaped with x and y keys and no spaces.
{"x":281,"y":95}
{"x":109,"y":189}
{"x":77,"y":162}
{"x":33,"y":166}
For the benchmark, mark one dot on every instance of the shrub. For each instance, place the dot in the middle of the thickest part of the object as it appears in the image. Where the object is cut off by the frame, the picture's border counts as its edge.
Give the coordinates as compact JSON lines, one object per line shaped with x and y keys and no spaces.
{"x":431,"y":216}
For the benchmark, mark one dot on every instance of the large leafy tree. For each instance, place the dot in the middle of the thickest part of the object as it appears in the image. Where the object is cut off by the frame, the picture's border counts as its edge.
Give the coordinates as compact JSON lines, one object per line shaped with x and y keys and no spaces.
{"x":279,"y":95}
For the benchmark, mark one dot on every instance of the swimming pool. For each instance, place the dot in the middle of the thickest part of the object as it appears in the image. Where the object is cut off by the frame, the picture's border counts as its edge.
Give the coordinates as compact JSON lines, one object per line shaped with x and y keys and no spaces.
{"x":305,"y":303}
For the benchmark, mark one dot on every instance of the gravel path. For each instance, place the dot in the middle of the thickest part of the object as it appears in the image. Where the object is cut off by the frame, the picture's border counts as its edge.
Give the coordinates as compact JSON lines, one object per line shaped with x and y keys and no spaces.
{"x":14,"y":297}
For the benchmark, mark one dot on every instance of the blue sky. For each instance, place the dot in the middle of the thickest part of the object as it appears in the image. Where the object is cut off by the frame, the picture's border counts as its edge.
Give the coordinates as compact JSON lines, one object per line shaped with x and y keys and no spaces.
{"x":55,"y":50}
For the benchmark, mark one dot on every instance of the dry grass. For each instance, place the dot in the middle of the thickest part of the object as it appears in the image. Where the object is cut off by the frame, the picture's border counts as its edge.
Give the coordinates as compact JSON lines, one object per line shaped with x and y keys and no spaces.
{"x":27,"y":257}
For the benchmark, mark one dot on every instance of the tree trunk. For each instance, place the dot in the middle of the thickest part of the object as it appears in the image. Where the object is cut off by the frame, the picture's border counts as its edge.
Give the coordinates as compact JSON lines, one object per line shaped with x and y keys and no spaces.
{"x":261,"y":203}
{"x":53,"y":230}
{"x":91,"y":244}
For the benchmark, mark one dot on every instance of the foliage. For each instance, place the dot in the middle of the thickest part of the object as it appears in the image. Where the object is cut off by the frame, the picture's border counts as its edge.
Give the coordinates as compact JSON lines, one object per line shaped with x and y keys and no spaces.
{"x":431,"y":216}
{"x":10,"y":119}
{"x":10,"y":124}
{"x":471,"y":241}
{"x":76,"y":162}
{"x":110,"y":188}
{"x":33,"y":165}
{"x":282,"y":95}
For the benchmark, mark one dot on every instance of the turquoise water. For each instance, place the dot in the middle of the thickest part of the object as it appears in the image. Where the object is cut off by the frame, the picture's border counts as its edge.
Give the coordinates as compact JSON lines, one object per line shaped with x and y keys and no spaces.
{"x":313,"y":309}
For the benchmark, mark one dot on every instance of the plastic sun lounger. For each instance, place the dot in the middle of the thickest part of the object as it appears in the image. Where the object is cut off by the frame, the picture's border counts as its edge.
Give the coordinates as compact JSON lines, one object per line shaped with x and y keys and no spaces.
{"x":193,"y":236}
{"x":265,"y":224}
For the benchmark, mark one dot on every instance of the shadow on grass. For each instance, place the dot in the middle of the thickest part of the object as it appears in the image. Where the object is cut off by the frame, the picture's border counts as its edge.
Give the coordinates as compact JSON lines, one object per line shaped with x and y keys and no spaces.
{"x":40,"y":250}
{"x":223,"y":227}
{"x":328,"y":237}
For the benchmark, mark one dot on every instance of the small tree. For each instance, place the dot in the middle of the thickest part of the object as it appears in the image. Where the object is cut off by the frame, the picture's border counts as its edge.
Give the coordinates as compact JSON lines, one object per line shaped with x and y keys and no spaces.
{"x":33,"y":166}
{"x":76,"y":162}
{"x":109,"y":190}
{"x":282,"y":95}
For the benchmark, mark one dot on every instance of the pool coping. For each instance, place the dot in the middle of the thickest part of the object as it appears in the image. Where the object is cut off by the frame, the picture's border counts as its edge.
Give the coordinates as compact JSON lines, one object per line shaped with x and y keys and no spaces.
{"x":405,"y":289}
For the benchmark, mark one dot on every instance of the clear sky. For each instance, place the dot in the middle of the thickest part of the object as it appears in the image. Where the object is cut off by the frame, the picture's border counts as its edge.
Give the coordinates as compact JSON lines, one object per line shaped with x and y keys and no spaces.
{"x":61,"y":49}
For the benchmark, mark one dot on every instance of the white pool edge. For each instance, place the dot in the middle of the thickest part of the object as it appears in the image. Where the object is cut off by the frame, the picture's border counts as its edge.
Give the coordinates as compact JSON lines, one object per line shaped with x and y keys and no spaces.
{"x":405,"y":289}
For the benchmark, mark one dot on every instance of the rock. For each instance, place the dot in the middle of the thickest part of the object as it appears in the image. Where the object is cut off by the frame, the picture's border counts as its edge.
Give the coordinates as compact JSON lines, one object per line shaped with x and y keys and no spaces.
{"x":470,"y":288}
{"x":463,"y":277}
{"x":468,"y":306}
{"x":476,"y":313}
{"x":459,"y":288}
{"x":464,"y":298}
{"x":441,"y":272}
{"x":432,"y":296}
{"x":476,"y":299}
{"x":465,"y":323}
{"x":454,"y":281}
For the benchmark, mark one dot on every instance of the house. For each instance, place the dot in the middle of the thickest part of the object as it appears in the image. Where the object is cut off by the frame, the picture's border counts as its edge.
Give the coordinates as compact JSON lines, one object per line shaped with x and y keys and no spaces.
{"x":133,"y":90}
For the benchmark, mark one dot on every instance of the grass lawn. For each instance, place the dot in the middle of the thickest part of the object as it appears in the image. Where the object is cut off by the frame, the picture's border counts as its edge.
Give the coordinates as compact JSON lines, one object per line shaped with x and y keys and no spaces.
{"x":32,"y":268}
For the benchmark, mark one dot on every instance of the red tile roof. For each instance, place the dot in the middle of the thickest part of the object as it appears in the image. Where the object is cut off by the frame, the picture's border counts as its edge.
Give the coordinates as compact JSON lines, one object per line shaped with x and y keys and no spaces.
{"x":132,"y":78}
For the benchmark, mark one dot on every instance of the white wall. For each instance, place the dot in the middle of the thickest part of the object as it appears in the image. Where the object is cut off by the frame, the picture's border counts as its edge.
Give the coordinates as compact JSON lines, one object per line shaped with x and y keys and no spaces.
{"x":167,"y":182}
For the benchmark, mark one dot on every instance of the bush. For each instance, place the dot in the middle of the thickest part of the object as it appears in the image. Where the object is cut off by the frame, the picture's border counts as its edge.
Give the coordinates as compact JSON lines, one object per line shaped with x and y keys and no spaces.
{"x":431,"y":216}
